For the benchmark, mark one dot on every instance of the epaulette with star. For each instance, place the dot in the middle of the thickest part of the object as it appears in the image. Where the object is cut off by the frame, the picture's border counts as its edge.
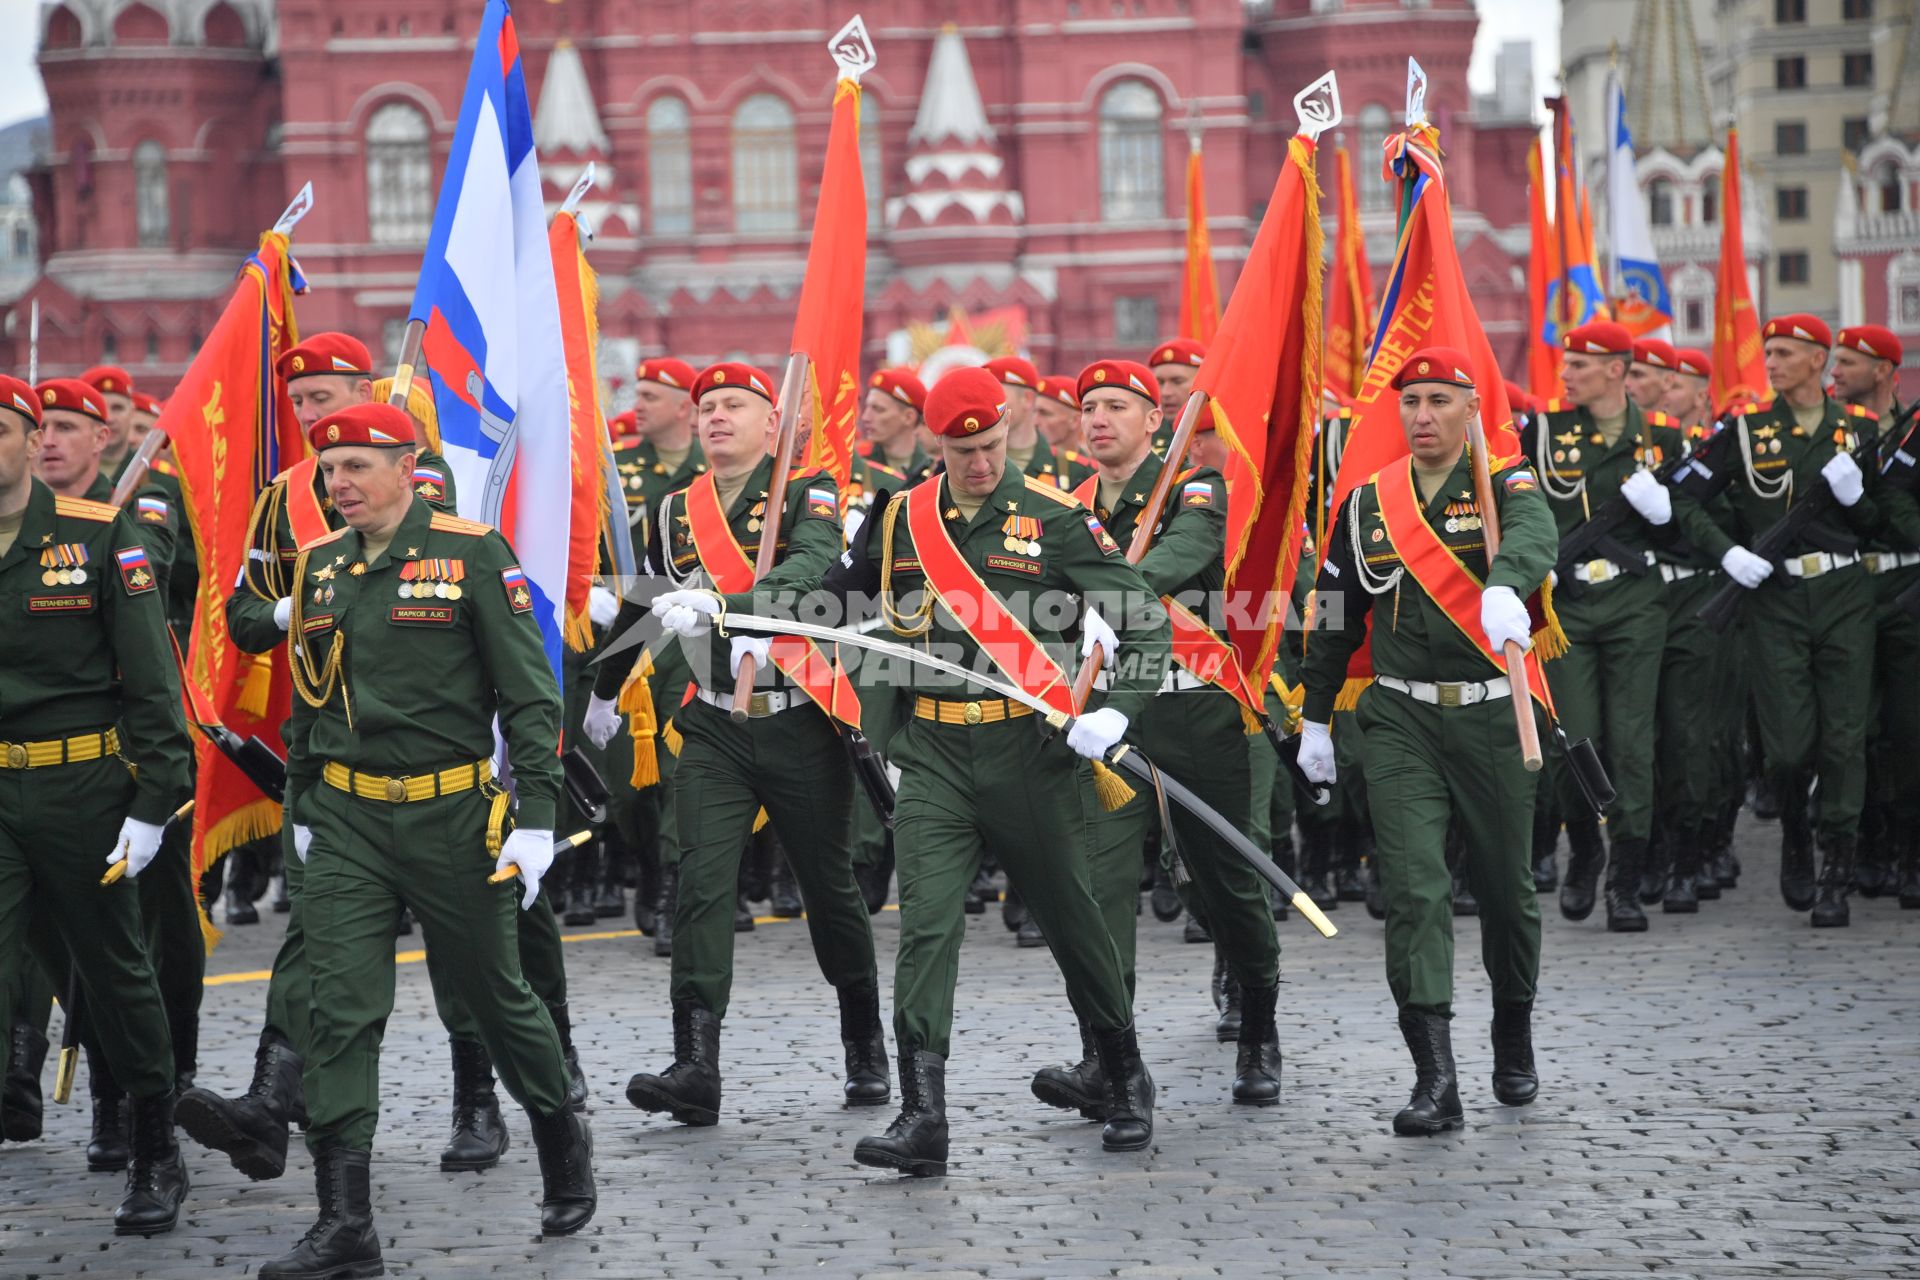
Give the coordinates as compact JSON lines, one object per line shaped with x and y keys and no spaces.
{"x":441,"y":522}
{"x":85,"y":509}
{"x":1060,"y":496}
{"x":885,"y":470}
{"x":329,"y":536}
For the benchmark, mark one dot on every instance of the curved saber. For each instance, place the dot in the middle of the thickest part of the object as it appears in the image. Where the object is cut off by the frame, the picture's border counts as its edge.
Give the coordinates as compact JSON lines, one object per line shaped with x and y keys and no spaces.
{"x":1123,"y":756}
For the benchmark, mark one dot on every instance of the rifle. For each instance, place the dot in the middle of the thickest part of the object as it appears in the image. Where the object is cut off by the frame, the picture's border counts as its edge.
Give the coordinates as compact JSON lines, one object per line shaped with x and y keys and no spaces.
{"x":793,"y":389}
{"x":1594,"y":538}
{"x":1771,"y":546}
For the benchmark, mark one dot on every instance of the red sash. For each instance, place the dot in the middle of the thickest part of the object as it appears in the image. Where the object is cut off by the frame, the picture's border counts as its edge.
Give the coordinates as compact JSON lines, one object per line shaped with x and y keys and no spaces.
{"x":974,"y":606}
{"x":1449,"y":583}
{"x":305,"y":516}
{"x":726,"y":563}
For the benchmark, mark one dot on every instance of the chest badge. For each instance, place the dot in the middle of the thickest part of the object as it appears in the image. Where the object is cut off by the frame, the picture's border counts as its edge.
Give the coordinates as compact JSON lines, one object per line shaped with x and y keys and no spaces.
{"x":64,"y":565}
{"x":1023,"y":534}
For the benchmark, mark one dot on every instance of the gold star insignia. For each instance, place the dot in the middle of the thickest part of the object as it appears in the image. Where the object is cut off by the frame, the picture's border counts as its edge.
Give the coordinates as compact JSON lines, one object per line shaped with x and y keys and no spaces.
{"x":46,"y":539}
{"x":323,"y":574}
{"x":359,"y":568}
{"x":1139,"y":497}
{"x":1766,"y":433}
{"x":1570,"y":437}
{"x":1012,"y":505}
{"x":413,"y":551}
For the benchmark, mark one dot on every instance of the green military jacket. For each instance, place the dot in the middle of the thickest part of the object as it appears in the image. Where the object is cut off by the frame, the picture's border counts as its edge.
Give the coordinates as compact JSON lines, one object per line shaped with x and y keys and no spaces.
{"x":1896,"y":455}
{"x":1413,"y":638}
{"x":166,"y":524}
{"x":646,"y":480}
{"x":1188,"y":555}
{"x":91,"y":652}
{"x":915,"y":469}
{"x":1580,"y":472}
{"x":422,"y":674}
{"x":1053,"y":469}
{"x":1773,"y":458}
{"x":866,"y":477}
{"x":156,"y":514}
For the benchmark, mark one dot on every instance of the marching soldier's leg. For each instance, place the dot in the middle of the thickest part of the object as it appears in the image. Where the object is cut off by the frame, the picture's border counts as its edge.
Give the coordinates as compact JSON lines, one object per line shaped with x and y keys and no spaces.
{"x":1687,"y":740}
{"x":108,"y":1143}
{"x":1780,"y":657}
{"x":807,"y":785}
{"x":543,"y":960}
{"x":28,"y":1003}
{"x":1405,"y":750}
{"x":479,"y":1135}
{"x":1899,"y":647}
{"x":179,"y":952}
{"x":1629,"y":652}
{"x":1843,"y":690}
{"x":1576,"y":696}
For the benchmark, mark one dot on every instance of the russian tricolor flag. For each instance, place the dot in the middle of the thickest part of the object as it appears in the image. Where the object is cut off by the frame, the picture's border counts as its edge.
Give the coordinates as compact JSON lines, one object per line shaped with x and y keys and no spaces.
{"x":492,"y":343}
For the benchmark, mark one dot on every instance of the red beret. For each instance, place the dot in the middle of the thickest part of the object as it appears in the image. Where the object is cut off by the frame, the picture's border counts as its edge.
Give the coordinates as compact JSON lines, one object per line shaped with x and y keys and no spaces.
{"x":1599,"y":338}
{"x":18,"y":396}
{"x":1872,"y":340}
{"x":624,"y":425}
{"x":337,"y":353}
{"x":1124,"y":374}
{"x":1179,"y":351}
{"x":144,"y":403}
{"x":1799,"y":325}
{"x":666,"y":371}
{"x":376,"y":424}
{"x":902,"y":385}
{"x":1660,"y":355}
{"x":109,"y":377}
{"x":1435,"y":364}
{"x":733,"y":373}
{"x":1058,"y":386}
{"x":72,"y":395}
{"x":1694,"y":361}
{"x":965,"y":402}
{"x":1015,"y":372}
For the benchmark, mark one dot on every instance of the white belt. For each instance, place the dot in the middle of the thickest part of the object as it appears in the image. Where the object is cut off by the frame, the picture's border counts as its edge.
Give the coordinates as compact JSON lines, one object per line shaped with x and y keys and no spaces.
{"x":1594,"y":572}
{"x":1450,"y":693}
{"x":1680,"y":572}
{"x":771,"y":703}
{"x":1888,"y":561}
{"x":1178,"y":680}
{"x":1815,"y":563}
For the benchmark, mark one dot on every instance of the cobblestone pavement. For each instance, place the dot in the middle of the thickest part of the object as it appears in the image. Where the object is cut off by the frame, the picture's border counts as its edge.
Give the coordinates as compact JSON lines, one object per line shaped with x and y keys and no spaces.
{"x":1727,"y":1095}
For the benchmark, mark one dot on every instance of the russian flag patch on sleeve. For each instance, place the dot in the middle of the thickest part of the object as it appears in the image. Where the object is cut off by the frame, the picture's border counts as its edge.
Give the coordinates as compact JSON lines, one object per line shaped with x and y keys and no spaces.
{"x":823,"y":502}
{"x":1520,"y":481}
{"x":151,"y":510}
{"x":136,"y":571}
{"x":519,"y":594}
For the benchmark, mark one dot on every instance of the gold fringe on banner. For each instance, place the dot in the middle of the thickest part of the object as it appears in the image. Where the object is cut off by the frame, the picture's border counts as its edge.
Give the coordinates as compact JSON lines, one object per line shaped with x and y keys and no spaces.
{"x":1349,"y":696}
{"x":251,"y":821}
{"x":419,"y":407}
{"x":257,"y":685}
{"x":1550,"y":641}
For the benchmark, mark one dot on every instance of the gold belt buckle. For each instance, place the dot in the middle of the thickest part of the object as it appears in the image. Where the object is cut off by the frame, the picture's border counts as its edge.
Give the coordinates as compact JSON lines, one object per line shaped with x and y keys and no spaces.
{"x":1872,"y":561}
{"x":1601,"y":571}
{"x":972,"y":714}
{"x":1449,"y":694}
{"x":1810,"y":565}
{"x":757,"y":705}
{"x":396,"y":789}
{"x":16,"y":755}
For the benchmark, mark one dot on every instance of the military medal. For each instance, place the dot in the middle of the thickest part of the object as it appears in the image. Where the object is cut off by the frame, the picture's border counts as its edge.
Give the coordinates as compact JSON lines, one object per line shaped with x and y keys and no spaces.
{"x":1453,"y":525}
{"x":51,"y":578}
{"x":79,"y":576}
{"x":1573,"y":455}
{"x":1023,"y":534}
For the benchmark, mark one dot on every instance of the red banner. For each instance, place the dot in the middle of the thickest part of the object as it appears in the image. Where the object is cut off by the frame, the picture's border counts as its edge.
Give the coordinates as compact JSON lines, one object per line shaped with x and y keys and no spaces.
{"x":1199,"y":291}
{"x":833,"y":294}
{"x":1543,"y":268}
{"x":579,"y":296}
{"x":1739,"y":370}
{"x":1350,"y":298}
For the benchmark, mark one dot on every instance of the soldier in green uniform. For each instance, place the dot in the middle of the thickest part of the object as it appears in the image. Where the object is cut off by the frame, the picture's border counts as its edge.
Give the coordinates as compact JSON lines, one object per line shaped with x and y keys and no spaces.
{"x":890,"y":419}
{"x":1056,"y":412}
{"x":1193,"y":728}
{"x":1810,"y":628}
{"x":1439,"y":736}
{"x":995,"y":544}
{"x":91,"y":764}
{"x":1866,"y":362}
{"x":416,"y":631}
{"x":1026,"y":447}
{"x":787,"y":758}
{"x":1175,"y":364}
{"x":1593,"y":446}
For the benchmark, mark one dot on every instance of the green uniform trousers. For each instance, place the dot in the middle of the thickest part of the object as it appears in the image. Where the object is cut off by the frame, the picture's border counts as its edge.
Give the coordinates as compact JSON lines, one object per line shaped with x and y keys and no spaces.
{"x":57,"y":825}
{"x":541,"y":963}
{"x":1199,"y":740}
{"x":1607,"y":688}
{"x":993,"y":788}
{"x":290,"y":990}
{"x":1809,"y":647}
{"x":1895,"y":725}
{"x":1427,"y":766}
{"x":791,"y":764}
{"x":1692,"y":719}
{"x":367,"y":858}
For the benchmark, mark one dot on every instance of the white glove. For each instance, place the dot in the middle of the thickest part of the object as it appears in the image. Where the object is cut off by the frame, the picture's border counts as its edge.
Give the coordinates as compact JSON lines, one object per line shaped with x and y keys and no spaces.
{"x":1504,"y":617}
{"x":1649,"y":497}
{"x":602,"y":606}
{"x":1097,"y":732}
{"x":856,"y":516}
{"x":137,"y":843}
{"x":758,"y":646}
{"x":1745,"y":568}
{"x":1843,"y":476}
{"x":1095,"y":631}
{"x":602,"y":721}
{"x":532,"y":852}
{"x":302,"y":841}
{"x":283,"y":612}
{"x":1316,"y":752}
{"x":686,"y":613}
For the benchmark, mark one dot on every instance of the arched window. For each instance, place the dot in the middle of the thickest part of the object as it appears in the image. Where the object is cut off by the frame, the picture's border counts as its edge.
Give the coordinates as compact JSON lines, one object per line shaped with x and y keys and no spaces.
{"x":399,"y":175}
{"x":871,"y":174}
{"x":1891,"y":188}
{"x":150,"y":194}
{"x":1132,"y":184}
{"x":1376,"y":193}
{"x":670,"y":166}
{"x":766,"y":179}
{"x":1710,"y":200}
{"x":1660,"y":202}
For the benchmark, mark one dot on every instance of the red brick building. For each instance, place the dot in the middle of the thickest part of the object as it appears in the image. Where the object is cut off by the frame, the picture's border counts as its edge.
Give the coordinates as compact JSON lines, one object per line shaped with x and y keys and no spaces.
{"x":1026,"y":162}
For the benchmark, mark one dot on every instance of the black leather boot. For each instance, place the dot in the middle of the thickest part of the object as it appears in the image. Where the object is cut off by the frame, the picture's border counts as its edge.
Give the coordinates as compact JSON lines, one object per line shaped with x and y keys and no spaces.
{"x":609,"y":892}
{"x":1515,"y":1082}
{"x":916,"y":1142}
{"x":980,"y":893}
{"x":1256,"y":1068}
{"x":282,"y":898}
{"x":743,"y":914}
{"x":1909,"y":837}
{"x":665,"y":904}
{"x":1586,"y":856}
{"x":1284,"y":857}
{"x":479,"y":1136}
{"x":865,"y":1041}
{"x":1683,"y":880}
{"x":582,"y":870}
{"x":156,"y":1175}
{"x":1797,"y":885}
{"x":1546,"y":837}
{"x":1029,"y":934}
{"x":782,"y":892}
{"x":1654,"y":864}
{"x":1196,"y":931}
{"x":1726,"y":867}
{"x":1836,"y":881}
{"x":1164,"y":900}
{"x":1130,"y":1090}
{"x":1435,"y":1104}
{"x":107,"y":1151}
{"x":689,"y":1090}
{"x":1316,"y":856}
{"x":1013,"y":911}
{"x":1464,"y":903}
{"x":240,"y":908}
{"x":251,"y":1130}
{"x":1081,"y":1087}
{"x":1229,"y":999}
{"x":876,"y":878}
{"x":1347,"y":884}
{"x":342,"y":1242}
{"x":1707,"y":845}
{"x":21,"y":1105}
{"x":1623,"y":887}
{"x":576,"y":1078}
{"x":568,"y":1196}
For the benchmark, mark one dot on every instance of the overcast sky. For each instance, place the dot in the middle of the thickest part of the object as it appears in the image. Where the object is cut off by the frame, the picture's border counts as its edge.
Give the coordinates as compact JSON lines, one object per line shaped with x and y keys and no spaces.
{"x":1538,"y":20}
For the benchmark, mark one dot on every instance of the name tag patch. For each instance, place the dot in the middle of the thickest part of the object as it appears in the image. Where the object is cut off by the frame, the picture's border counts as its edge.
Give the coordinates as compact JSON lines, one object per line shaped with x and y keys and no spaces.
{"x":1013,"y":565}
{"x":315,"y":622}
{"x":76,"y":602}
{"x":438,"y":615}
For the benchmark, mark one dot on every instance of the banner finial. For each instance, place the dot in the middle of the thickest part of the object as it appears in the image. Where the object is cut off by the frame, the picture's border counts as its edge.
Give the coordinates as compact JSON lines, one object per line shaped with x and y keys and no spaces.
{"x":852,"y":50}
{"x":1318,"y":106}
